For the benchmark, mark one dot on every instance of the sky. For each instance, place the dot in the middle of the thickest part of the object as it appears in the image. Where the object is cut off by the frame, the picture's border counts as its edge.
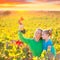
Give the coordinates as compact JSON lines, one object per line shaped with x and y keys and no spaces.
{"x":9,"y":5}
{"x":23,"y":1}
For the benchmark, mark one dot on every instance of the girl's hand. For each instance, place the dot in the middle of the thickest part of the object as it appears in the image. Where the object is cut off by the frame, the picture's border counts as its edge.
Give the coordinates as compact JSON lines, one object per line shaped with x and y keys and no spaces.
{"x":49,"y":48}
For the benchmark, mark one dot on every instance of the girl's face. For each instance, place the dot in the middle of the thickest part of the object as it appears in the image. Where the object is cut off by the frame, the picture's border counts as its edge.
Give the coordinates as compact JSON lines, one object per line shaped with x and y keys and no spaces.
{"x":38,"y":34}
{"x":44,"y":35}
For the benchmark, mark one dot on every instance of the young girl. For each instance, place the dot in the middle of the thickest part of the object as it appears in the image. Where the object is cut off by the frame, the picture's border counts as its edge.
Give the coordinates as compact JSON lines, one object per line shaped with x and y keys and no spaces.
{"x":47,"y":43}
{"x":35,"y":44}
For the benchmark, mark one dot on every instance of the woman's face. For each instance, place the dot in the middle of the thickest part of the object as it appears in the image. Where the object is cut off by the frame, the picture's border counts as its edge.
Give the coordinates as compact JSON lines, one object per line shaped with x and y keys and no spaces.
{"x":38,"y":34}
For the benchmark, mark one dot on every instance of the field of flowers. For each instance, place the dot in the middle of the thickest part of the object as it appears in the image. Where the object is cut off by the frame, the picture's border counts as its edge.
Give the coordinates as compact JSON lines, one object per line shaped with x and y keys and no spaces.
{"x":10,"y":46}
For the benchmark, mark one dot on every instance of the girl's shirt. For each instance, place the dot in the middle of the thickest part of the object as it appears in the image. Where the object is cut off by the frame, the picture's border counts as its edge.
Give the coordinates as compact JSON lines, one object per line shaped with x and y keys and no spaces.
{"x":49,"y":43}
{"x":35,"y":47}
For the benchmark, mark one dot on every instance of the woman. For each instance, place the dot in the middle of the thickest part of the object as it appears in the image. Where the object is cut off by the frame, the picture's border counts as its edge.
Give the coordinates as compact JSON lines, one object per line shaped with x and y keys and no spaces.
{"x":35,"y":44}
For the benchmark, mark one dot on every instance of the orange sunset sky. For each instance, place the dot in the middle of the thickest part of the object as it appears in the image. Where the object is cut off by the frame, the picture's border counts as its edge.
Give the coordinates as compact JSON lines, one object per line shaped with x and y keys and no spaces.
{"x":24,"y":1}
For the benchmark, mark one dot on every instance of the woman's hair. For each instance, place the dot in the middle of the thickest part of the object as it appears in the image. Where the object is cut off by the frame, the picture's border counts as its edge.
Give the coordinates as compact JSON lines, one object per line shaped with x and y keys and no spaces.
{"x":39,"y":29}
{"x":48,"y":32}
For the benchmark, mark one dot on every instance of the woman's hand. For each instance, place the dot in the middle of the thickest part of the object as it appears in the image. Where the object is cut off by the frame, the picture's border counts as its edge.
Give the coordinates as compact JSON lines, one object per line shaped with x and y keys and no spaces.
{"x":43,"y":54}
{"x":21,"y":27}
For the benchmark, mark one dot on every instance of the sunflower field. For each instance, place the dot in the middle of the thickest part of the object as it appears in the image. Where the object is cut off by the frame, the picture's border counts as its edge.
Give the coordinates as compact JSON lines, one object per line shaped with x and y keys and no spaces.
{"x":11,"y":48}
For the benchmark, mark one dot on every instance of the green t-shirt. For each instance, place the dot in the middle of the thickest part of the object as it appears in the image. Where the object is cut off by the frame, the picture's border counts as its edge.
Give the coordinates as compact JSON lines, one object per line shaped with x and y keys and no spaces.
{"x":35,"y":47}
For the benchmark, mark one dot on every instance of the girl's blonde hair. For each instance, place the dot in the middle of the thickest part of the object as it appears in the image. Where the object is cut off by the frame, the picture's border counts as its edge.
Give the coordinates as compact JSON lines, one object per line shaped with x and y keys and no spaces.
{"x":48,"y":32}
